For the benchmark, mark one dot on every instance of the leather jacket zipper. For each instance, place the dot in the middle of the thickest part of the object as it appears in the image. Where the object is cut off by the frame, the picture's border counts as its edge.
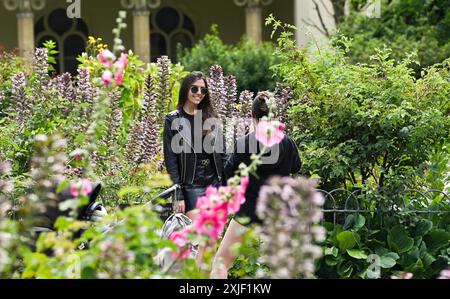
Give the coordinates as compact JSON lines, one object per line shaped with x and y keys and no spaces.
{"x":185,"y":158}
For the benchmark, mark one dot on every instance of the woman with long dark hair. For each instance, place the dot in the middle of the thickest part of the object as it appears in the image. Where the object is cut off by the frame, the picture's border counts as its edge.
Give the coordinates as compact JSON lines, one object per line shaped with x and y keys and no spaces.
{"x":194,"y":151}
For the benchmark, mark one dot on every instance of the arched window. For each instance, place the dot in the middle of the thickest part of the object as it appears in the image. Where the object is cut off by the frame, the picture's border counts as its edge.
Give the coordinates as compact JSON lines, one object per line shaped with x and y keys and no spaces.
{"x":170,"y":27}
{"x":69,"y":34}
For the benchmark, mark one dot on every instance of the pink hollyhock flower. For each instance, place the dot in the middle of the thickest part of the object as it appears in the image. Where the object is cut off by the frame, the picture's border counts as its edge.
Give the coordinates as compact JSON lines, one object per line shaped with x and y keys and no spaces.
{"x":122,"y":62}
{"x":209,"y":223}
{"x":270,"y":133}
{"x":211,"y":197}
{"x":203,"y":203}
{"x":74,"y":190}
{"x":119,"y":77}
{"x":106,"y":57}
{"x":86,"y":187}
{"x":107,"y":78}
{"x":234,"y":204}
{"x":180,"y":238}
{"x":221,"y":211}
{"x":244,"y":183}
{"x":236,"y":201}
{"x":83,"y":187}
{"x":239,"y":196}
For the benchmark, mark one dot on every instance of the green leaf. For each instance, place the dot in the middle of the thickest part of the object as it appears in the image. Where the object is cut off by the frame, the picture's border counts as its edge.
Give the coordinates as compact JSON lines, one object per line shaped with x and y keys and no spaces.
{"x":392,"y":255}
{"x":417,"y":241}
{"x":62,"y":186}
{"x":128,"y":190}
{"x":354,"y":222}
{"x":399,"y":240}
{"x":387,"y":262}
{"x":331,"y":251}
{"x":346,"y":240}
{"x":62,"y":223}
{"x":427,"y":259}
{"x":410,"y":257}
{"x":423,"y":227}
{"x":357,"y":254}
{"x":345,"y":269}
{"x":438,"y":238}
{"x":331,"y":261}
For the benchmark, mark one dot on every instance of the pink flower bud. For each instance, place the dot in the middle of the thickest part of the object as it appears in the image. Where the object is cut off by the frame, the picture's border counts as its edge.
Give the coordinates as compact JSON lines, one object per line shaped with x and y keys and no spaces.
{"x":122,"y":62}
{"x":106,"y":57}
{"x":86,"y":186}
{"x":107,"y":78}
{"x":73,"y":190}
{"x":119,"y":77}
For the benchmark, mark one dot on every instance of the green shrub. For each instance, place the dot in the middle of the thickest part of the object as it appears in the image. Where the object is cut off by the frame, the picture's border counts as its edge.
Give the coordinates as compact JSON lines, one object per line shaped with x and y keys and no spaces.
{"x":405,"y":27}
{"x":250,"y":63}
{"x":370,"y":124}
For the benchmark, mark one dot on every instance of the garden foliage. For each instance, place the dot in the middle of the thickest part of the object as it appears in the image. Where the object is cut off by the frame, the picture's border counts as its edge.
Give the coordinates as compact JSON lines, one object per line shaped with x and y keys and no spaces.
{"x":405,"y":27}
{"x":248,"y":62}
{"x":375,"y":129}
{"x":372,"y":127}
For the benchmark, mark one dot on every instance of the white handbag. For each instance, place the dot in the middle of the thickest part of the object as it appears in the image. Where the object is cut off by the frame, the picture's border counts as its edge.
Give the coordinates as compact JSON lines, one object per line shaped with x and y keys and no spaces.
{"x":174,"y":222}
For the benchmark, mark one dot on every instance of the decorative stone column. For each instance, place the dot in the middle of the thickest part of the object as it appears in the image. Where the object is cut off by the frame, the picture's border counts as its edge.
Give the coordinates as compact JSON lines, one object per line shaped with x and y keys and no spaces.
{"x":141,"y":25}
{"x":253,"y":17}
{"x":25,"y":22}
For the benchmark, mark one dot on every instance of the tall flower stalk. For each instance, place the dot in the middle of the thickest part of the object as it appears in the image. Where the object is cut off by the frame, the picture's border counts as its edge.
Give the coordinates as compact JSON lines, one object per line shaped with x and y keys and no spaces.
{"x":8,"y":237}
{"x":217,"y":91}
{"x":6,"y":187}
{"x":114,"y":121}
{"x":284,"y":98}
{"x":47,"y":171}
{"x":163,"y":88}
{"x":2,"y":96}
{"x":63,"y":85}
{"x":223,"y":94}
{"x":86,"y":94}
{"x":22,"y":104}
{"x":143,"y":141}
{"x":231,"y":111}
{"x":118,"y":43}
{"x":290,"y":209}
{"x":40,"y":80}
{"x":245,"y":113}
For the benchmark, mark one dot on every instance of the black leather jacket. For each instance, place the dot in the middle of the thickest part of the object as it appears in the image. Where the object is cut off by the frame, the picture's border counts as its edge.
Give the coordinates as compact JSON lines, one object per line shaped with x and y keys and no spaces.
{"x":181,"y":162}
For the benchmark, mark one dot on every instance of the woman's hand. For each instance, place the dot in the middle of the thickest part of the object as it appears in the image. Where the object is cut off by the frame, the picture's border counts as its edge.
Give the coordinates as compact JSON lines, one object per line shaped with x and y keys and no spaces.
{"x":181,"y":206}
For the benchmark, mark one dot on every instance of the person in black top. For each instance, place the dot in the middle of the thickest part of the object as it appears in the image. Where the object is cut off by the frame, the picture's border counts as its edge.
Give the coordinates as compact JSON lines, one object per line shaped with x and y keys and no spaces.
{"x":194,"y":151}
{"x":282,"y":159}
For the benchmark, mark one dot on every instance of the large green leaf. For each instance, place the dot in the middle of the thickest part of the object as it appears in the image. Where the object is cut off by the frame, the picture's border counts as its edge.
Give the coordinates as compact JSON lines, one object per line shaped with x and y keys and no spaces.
{"x":346,"y":240}
{"x":427,"y":259}
{"x":354,"y":222}
{"x":423,"y":227}
{"x":392,"y":255}
{"x":410,"y":257}
{"x":344,"y":269}
{"x":387,"y":262}
{"x":357,"y":254}
{"x":436,"y":239}
{"x":331,"y":251}
{"x":331,"y":261}
{"x":399,"y":240}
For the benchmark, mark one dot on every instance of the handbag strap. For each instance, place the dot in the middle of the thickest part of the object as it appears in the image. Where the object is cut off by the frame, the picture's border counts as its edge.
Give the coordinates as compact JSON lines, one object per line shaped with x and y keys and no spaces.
{"x":176,"y":200}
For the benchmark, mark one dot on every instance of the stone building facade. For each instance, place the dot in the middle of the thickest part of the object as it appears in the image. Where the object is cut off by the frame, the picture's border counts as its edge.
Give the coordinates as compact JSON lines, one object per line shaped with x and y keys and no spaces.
{"x":155,"y":27}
